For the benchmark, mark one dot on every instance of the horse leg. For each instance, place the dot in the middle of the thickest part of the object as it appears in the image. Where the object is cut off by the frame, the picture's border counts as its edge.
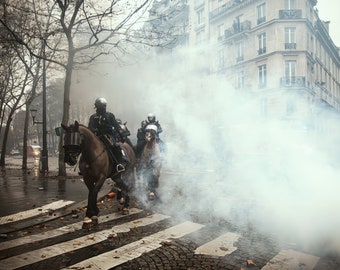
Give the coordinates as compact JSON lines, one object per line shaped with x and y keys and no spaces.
{"x":92,"y":210}
{"x":123,"y":193}
{"x":126,"y":206}
{"x":120,"y":197}
{"x":153,"y":183}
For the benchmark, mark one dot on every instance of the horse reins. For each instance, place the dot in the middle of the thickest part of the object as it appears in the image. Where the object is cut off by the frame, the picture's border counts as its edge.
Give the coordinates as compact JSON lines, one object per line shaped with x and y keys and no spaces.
{"x":89,"y":163}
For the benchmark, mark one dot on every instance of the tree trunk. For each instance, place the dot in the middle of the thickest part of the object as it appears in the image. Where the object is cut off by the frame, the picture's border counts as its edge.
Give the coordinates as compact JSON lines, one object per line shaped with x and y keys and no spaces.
{"x":66,"y":110}
{"x":4,"y":142}
{"x":24,"y":150}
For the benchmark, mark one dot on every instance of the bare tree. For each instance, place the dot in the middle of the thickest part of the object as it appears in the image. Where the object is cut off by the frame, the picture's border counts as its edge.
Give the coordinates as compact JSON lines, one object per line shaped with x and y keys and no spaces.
{"x":15,"y":74}
{"x":83,"y":31}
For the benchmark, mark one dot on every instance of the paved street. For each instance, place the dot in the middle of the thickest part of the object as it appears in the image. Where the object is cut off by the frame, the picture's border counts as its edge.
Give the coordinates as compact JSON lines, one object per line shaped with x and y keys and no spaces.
{"x":22,"y":191}
{"x":41,"y":228}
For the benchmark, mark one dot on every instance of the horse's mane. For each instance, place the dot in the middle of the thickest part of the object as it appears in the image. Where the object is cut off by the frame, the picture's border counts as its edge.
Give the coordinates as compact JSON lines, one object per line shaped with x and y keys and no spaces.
{"x":82,"y":126}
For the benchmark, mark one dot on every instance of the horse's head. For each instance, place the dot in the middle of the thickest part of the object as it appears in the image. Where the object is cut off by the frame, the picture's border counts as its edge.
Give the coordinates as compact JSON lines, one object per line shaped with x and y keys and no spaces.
{"x":150,"y":132}
{"x":72,"y":142}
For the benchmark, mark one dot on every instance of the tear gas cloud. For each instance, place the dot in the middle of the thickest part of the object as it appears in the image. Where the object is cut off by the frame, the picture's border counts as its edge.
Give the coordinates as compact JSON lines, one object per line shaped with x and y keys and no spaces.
{"x":223,"y":159}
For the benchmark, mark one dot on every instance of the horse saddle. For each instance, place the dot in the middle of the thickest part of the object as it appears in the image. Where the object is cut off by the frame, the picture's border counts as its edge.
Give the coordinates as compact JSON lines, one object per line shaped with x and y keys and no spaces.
{"x":116,"y":154}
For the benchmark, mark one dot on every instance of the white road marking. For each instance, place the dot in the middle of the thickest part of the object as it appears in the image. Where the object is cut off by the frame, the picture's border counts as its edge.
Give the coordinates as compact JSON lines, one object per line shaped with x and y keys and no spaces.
{"x":60,"y":231}
{"x":34,"y":212}
{"x":135,"y":249}
{"x":78,"y":243}
{"x":220,"y":246}
{"x":291,"y":260}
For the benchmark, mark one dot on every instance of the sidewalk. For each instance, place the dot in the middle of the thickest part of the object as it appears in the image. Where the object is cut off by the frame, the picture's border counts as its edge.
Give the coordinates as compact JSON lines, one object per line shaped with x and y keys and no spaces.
{"x":25,"y":190}
{"x":15,"y":163}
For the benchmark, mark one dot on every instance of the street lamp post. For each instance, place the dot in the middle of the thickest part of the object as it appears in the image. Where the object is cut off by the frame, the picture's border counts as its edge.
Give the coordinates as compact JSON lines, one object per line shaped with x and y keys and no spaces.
{"x":44,"y":154}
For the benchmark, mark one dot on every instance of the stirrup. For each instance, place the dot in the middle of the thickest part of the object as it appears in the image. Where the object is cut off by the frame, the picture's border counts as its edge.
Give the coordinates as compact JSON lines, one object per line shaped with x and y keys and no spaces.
{"x":120,"y":167}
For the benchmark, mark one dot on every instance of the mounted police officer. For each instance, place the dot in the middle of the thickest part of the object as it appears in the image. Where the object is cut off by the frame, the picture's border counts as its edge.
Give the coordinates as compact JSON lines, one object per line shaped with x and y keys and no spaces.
{"x":123,"y":133}
{"x":151,"y":119}
{"x":104,"y":123}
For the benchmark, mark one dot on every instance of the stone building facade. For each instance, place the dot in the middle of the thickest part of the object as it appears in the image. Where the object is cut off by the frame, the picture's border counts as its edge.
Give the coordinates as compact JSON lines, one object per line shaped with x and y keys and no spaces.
{"x":279,"y":52}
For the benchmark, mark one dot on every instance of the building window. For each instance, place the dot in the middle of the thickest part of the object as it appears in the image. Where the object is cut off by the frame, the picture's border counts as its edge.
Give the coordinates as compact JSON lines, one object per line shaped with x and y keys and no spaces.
{"x":240,"y":80}
{"x":261,"y":13}
{"x":290,"y":38}
{"x":220,"y":33}
{"x":290,"y":4}
{"x":262,"y":43}
{"x":199,"y":37}
{"x":221,"y":59}
{"x":240,"y":51}
{"x":237,"y":24}
{"x":290,"y":72}
{"x":200,"y":17}
{"x":262,"y":76}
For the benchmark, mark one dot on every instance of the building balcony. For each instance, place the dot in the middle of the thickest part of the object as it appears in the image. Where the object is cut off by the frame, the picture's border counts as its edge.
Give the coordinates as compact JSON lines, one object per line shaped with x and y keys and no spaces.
{"x":293,"y":81}
{"x":239,"y":58}
{"x":262,"y":50}
{"x":288,"y":14}
{"x":238,"y":27}
{"x":261,"y":20}
{"x":290,"y":46}
{"x":262,"y":85}
{"x":224,"y":8}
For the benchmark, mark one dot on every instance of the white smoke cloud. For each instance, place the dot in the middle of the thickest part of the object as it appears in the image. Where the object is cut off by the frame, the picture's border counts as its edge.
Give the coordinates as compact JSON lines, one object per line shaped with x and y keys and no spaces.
{"x":223,"y":160}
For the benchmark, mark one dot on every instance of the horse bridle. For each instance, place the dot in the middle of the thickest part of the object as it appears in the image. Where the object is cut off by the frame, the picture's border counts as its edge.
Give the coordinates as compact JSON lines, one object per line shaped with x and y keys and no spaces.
{"x":72,"y":146}
{"x":150,"y":135}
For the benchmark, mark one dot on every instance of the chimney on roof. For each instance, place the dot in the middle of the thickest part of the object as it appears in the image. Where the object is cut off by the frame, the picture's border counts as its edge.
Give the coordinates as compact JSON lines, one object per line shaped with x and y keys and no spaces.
{"x":326,"y":25}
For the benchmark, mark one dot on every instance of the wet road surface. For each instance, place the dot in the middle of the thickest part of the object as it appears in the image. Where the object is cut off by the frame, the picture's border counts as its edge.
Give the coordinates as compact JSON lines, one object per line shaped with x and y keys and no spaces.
{"x":150,"y":237}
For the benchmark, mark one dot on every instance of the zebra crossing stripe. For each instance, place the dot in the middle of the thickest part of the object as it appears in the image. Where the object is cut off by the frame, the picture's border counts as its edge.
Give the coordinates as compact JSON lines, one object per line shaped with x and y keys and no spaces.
{"x":60,"y":231}
{"x":291,"y":260}
{"x":34,"y":212}
{"x":136,"y":249}
{"x":220,"y":246}
{"x":78,"y":243}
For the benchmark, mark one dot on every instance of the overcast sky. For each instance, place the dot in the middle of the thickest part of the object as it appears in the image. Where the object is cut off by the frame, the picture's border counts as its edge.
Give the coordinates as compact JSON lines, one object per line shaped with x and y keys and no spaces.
{"x":329,"y":11}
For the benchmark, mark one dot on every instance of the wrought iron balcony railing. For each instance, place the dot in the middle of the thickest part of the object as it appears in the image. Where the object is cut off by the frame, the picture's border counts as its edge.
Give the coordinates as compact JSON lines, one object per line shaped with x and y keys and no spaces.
{"x":237,"y":28}
{"x":290,"y":46}
{"x":262,"y":50}
{"x":293,"y":81}
{"x":286,"y":14}
{"x":261,"y":20}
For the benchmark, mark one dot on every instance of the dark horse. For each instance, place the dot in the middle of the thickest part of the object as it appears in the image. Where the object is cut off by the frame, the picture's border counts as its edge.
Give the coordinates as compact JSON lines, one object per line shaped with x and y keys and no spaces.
{"x":95,"y":166}
{"x":150,"y":163}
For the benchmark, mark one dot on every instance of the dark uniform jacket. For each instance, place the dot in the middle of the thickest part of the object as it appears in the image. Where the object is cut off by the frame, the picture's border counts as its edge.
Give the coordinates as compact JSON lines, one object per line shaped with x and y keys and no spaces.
{"x":101,"y":124}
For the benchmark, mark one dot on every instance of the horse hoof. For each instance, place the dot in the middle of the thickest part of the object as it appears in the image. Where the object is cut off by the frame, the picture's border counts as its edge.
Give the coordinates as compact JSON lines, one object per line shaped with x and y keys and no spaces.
{"x":121,"y":201}
{"x":125,"y":211}
{"x":87,"y":226}
{"x":87,"y":223}
{"x":151,"y":196}
{"x":87,"y":220}
{"x":94,"y":220}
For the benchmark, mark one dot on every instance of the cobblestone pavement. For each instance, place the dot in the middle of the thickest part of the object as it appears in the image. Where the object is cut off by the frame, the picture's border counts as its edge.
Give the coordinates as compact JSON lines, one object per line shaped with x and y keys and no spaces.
{"x":150,"y":237}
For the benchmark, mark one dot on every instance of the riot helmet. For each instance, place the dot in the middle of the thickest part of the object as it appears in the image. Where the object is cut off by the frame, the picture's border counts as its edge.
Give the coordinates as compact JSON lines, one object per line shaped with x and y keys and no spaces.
{"x":100,"y":105}
{"x":151,"y":118}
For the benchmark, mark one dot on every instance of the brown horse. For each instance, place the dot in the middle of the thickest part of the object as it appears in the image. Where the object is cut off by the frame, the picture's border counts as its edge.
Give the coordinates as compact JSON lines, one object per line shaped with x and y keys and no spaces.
{"x":150,"y":163}
{"x":95,"y":166}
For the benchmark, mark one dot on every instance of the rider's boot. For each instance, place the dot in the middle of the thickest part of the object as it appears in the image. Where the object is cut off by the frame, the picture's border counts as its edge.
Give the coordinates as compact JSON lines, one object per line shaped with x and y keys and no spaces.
{"x":122,"y":158}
